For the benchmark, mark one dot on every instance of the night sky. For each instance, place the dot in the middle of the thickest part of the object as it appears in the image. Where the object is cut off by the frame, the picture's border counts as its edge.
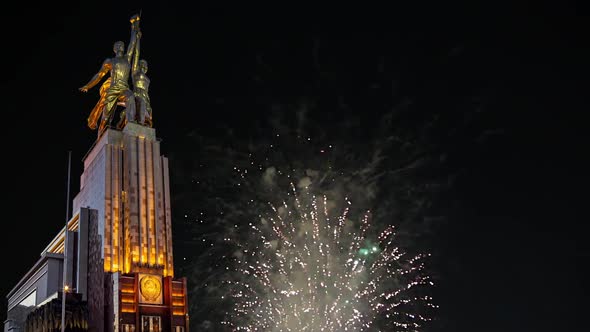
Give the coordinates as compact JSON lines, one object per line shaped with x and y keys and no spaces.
{"x":498,"y":91}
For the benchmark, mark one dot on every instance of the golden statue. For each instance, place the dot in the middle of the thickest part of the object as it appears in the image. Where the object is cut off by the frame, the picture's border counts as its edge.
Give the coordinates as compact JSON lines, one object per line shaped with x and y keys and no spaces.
{"x":115,"y":90}
{"x":141,"y":84}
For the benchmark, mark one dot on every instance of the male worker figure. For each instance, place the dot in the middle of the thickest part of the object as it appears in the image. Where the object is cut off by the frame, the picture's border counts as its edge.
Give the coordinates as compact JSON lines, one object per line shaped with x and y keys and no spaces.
{"x":115,"y":90}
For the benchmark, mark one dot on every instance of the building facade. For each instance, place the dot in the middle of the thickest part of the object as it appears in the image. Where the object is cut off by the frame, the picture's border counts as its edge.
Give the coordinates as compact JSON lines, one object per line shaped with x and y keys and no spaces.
{"x":116,"y":249}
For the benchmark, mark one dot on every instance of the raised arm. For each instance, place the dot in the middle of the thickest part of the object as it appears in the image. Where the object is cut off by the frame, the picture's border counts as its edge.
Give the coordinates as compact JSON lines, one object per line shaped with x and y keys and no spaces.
{"x":135,"y":34}
{"x":135,"y":66}
{"x":104,"y":69}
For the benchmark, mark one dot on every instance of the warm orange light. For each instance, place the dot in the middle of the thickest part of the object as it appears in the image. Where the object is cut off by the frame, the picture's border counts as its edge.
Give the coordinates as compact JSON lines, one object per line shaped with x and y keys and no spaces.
{"x":128,"y":307}
{"x":135,"y":256}
{"x":66,"y":288}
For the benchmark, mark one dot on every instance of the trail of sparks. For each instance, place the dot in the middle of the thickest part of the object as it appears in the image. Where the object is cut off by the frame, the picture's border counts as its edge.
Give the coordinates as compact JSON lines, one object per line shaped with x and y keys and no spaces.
{"x":309,"y":271}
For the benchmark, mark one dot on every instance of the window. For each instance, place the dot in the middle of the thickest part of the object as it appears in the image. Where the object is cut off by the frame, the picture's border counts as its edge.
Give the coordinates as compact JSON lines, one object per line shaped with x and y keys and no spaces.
{"x":128,"y":328}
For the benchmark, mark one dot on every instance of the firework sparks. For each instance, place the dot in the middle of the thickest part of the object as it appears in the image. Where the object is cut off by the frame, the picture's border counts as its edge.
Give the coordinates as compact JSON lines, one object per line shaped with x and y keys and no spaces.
{"x":311,"y":269}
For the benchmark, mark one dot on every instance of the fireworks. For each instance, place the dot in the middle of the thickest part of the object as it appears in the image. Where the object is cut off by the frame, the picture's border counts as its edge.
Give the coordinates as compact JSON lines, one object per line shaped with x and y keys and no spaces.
{"x":310,"y":266}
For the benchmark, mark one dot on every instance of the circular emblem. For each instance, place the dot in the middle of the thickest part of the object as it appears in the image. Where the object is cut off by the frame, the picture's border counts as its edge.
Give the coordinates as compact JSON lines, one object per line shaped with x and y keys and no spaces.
{"x":150,"y":288}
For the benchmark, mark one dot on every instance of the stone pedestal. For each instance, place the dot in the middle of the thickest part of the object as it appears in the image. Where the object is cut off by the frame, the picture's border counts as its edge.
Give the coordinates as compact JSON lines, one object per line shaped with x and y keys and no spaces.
{"x":126,"y":180}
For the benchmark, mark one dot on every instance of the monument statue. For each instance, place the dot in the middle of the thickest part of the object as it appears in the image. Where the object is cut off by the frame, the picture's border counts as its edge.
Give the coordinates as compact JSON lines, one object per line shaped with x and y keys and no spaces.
{"x":141,"y":84}
{"x":115,"y":89}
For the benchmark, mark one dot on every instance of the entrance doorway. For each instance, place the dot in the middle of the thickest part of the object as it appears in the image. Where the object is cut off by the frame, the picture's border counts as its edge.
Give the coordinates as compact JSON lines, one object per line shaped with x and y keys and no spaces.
{"x":151,"y":324}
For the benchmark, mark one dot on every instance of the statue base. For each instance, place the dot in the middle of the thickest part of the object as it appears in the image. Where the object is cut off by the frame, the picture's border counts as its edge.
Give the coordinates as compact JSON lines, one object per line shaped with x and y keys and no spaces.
{"x":135,"y":129}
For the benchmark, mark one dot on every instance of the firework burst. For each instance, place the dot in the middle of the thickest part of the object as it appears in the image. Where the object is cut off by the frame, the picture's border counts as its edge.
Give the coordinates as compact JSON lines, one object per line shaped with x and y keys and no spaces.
{"x":311,"y":267}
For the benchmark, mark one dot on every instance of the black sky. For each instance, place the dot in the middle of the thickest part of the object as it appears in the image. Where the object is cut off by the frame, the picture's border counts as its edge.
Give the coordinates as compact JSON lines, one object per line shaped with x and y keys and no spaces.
{"x":517,"y":253}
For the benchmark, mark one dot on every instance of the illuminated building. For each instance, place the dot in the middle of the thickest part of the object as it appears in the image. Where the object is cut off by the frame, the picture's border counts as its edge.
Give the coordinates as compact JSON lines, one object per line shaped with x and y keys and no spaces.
{"x":118,"y":247}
